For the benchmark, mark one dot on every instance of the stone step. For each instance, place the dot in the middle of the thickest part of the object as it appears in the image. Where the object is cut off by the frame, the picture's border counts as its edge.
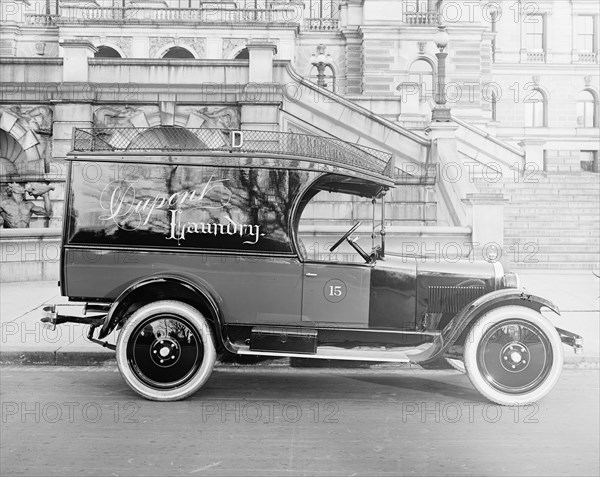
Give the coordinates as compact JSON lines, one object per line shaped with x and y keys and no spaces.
{"x":541,"y":225}
{"x":543,"y":198}
{"x":519,"y":188}
{"x":545,"y":188}
{"x":589,"y":247}
{"x":563,"y":256}
{"x":536,"y":178}
{"x":554,"y":265}
{"x":562,"y":217}
{"x":553,"y":236}
{"x":552,"y":206}
{"x":566,"y":239}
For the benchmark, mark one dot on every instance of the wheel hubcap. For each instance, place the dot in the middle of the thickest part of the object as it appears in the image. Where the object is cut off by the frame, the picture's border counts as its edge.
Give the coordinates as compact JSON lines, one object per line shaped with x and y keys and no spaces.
{"x":165,"y":351}
{"x":514,"y":356}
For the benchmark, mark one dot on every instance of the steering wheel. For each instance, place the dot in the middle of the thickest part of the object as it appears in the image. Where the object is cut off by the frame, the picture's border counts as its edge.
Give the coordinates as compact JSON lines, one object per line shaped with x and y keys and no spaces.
{"x":346,"y":235}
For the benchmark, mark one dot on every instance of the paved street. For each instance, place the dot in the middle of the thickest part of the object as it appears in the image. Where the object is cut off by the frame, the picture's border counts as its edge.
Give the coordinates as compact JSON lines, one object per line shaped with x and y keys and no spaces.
{"x":287,"y":421}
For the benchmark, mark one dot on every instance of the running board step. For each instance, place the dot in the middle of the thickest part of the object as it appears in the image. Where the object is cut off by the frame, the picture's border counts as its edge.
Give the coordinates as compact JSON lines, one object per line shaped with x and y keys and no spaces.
{"x":394,"y":355}
{"x":280,"y":339}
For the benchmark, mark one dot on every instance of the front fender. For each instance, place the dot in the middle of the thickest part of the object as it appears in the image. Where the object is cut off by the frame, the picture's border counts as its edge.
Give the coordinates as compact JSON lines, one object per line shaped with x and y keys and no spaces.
{"x":456,"y":327}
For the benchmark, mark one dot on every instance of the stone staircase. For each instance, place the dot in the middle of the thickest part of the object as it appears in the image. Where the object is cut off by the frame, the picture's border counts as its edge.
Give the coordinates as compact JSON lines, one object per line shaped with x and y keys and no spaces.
{"x":552,"y":222}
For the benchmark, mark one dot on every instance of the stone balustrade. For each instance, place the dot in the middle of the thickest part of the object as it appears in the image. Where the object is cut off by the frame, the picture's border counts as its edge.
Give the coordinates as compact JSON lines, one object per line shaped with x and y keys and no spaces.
{"x":322,"y":24}
{"x":74,"y":13}
{"x":421,"y":18}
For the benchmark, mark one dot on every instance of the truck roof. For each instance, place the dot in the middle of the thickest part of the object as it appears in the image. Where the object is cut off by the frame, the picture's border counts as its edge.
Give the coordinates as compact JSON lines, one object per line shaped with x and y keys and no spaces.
{"x":232,"y":148}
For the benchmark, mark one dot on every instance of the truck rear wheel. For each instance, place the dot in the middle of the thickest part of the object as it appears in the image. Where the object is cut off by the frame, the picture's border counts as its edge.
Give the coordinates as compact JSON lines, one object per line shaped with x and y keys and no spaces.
{"x":166,"y":351}
{"x":513,"y":355}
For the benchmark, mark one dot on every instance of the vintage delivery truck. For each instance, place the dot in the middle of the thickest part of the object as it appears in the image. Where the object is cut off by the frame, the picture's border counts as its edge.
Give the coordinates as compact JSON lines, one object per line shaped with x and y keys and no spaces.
{"x":185,"y":243}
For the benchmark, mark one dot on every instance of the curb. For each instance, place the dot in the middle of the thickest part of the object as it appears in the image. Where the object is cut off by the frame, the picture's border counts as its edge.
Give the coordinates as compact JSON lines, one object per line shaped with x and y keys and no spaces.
{"x":107,"y":358}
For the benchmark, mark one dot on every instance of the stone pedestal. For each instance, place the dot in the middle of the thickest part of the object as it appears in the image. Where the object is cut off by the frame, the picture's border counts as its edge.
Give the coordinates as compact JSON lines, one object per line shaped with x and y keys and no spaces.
{"x":66,"y":117}
{"x":75,"y":55}
{"x":260,"y":104}
{"x":261,"y":61}
{"x":534,"y":152}
{"x":485,"y":212}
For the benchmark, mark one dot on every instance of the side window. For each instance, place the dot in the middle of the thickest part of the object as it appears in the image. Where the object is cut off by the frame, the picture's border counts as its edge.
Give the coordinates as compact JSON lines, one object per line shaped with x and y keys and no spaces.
{"x":181,"y":206}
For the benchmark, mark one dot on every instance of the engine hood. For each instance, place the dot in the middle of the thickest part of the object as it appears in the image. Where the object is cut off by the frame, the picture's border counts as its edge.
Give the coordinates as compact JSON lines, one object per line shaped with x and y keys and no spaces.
{"x":446,"y":287}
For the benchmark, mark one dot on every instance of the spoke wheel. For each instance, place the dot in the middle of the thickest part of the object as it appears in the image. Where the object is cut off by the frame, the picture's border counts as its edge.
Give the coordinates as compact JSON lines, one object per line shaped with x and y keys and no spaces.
{"x":165,"y":351}
{"x":513,"y":355}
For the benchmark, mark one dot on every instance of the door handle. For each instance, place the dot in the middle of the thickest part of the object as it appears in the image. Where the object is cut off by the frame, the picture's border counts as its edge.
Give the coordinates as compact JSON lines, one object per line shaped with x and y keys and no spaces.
{"x":311,"y":274}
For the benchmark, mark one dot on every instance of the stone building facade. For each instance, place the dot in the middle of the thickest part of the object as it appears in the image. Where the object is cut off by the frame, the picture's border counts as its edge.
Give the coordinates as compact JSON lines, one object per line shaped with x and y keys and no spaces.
{"x":522,"y":81}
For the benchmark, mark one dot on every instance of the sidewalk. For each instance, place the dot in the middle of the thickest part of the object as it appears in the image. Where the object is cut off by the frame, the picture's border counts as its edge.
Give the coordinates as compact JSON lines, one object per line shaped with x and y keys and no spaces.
{"x":23,"y":339}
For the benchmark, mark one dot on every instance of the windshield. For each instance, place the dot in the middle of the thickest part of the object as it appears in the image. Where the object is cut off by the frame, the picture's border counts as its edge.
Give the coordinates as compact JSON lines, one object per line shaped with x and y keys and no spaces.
{"x":329,"y":209}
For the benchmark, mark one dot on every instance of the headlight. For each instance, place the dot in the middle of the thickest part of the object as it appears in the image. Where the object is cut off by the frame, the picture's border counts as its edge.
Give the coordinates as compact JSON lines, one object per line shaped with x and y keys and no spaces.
{"x":511,"y":280}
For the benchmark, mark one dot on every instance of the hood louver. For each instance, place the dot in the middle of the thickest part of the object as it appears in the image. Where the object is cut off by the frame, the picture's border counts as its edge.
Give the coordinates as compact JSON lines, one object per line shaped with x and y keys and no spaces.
{"x":452,"y":299}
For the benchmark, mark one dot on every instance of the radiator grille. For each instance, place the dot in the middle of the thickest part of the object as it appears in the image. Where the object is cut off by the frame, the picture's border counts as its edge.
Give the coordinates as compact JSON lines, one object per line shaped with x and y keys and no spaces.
{"x":452,"y":299}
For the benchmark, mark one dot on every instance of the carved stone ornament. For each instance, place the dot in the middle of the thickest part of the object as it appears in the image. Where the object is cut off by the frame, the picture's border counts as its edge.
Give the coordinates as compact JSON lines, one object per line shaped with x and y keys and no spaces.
{"x":32,"y":118}
{"x":122,"y":42}
{"x":194,"y":43}
{"x":224,"y":117}
{"x":123,"y":116}
{"x":16,"y":211}
{"x":232,"y":44}
{"x":40,"y":48}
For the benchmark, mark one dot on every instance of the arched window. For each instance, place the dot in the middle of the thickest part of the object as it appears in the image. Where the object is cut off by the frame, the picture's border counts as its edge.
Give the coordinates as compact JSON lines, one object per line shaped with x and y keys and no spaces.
{"x":421,"y":72}
{"x":535,"y":109}
{"x":177,"y":52}
{"x":106,"y":52}
{"x":242,"y":55}
{"x":586,"y":110}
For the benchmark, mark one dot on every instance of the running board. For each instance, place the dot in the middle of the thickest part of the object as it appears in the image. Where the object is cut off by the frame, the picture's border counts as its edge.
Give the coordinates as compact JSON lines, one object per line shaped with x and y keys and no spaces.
{"x":392,"y":355}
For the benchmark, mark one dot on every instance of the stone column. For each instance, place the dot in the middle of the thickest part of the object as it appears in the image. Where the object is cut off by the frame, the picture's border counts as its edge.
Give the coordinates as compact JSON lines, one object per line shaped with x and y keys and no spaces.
{"x":260,"y":100}
{"x":75,"y":55}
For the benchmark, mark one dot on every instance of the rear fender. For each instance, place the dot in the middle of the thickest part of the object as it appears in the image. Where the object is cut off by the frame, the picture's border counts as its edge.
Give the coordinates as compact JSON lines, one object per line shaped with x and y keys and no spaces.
{"x":202,"y":291}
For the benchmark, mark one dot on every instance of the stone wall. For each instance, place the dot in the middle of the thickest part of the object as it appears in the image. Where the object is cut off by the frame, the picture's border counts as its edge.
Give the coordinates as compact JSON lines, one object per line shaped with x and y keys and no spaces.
{"x":29,"y":254}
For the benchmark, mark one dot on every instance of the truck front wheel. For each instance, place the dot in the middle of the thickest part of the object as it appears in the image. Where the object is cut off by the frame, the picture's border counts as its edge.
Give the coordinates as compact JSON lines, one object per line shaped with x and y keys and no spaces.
{"x":513,"y":355}
{"x":166,"y":351}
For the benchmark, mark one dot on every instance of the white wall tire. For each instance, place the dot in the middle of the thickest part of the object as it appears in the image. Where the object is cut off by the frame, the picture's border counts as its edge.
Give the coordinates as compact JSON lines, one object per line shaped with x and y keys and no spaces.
{"x":166,"y":351}
{"x":513,"y":355}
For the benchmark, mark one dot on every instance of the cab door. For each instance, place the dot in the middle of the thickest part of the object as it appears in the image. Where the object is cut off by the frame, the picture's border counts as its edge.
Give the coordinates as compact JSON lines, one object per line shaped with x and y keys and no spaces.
{"x":336,"y":294}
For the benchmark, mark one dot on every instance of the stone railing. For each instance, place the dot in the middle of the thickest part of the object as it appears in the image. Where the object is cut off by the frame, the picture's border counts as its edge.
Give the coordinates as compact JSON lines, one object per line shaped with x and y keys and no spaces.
{"x":588,"y":57}
{"x":42,"y":19}
{"x":322,"y":24}
{"x":212,"y":14}
{"x":536,"y":56}
{"x":421,"y":18}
